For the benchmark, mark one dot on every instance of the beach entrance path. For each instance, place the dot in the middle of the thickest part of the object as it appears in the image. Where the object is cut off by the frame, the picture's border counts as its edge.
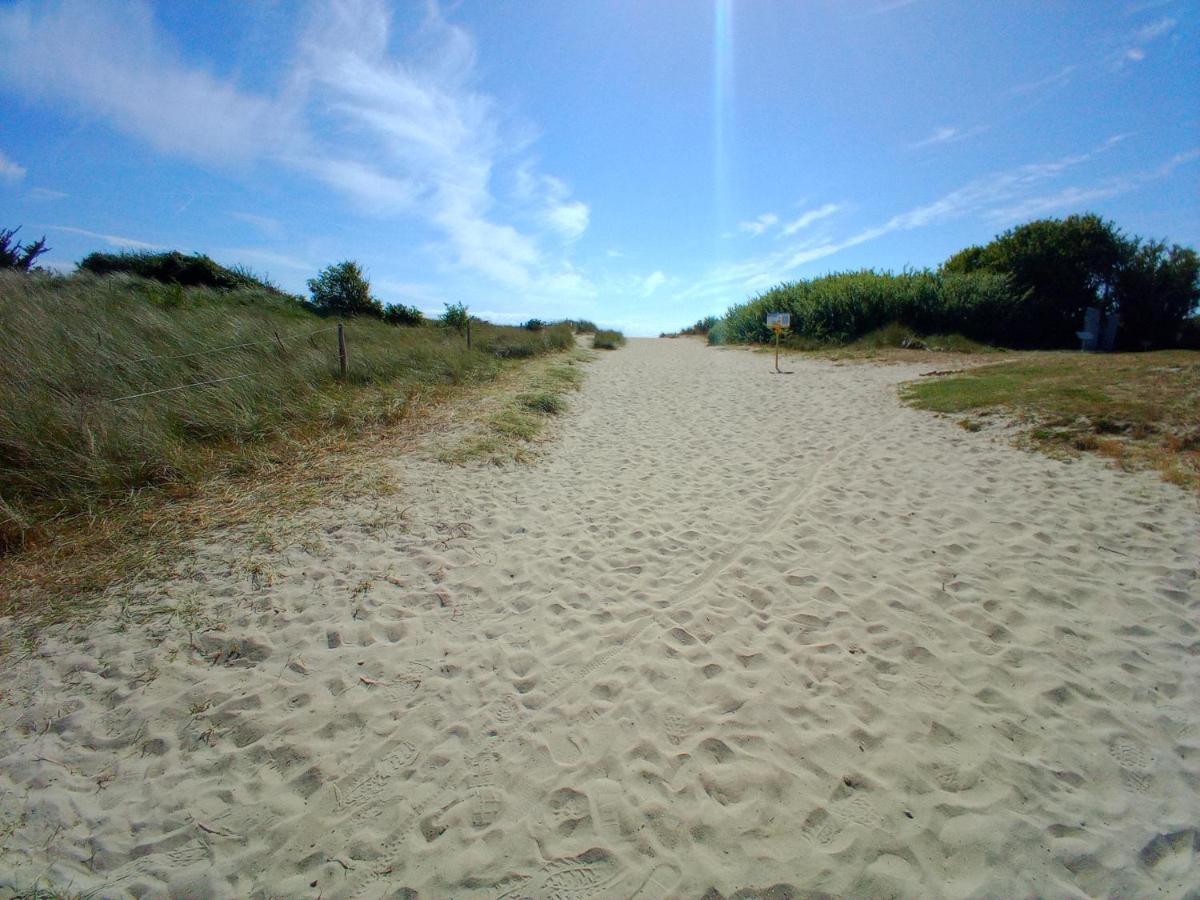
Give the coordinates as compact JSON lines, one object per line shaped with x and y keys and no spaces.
{"x":733,"y":631}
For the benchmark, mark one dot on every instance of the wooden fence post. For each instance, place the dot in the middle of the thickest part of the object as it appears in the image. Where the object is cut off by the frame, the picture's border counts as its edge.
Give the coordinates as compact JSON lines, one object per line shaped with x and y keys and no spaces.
{"x":342,"y":349}
{"x":468,"y":332}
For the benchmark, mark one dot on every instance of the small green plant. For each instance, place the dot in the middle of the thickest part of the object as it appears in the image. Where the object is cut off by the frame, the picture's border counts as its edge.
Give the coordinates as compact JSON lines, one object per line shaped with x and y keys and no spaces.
{"x":343,"y":290}
{"x":608,"y":340}
{"x":533,"y":325}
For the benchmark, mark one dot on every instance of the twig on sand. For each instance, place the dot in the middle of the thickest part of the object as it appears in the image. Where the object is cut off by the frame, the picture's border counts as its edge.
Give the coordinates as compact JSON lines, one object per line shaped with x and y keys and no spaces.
{"x":1111,"y":550}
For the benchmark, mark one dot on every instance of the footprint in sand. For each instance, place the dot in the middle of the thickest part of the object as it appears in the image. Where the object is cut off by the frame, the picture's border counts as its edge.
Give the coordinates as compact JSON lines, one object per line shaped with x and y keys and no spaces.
{"x":607,"y":802}
{"x":592,"y":873}
{"x":486,"y":801}
{"x":823,"y":831}
{"x":677,"y":726}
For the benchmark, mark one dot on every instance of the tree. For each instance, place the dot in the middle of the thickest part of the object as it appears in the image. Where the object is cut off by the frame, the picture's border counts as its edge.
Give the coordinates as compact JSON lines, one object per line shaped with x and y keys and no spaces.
{"x":15,"y":255}
{"x":343,"y":290}
{"x":1063,"y":266}
{"x":456,"y":316}
{"x":1157,"y":289}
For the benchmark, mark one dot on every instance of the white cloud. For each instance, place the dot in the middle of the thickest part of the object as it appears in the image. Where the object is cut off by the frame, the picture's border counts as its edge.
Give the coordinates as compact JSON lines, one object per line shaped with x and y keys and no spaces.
{"x":114,"y":240}
{"x":652,"y":283}
{"x":40,"y":193}
{"x":759,"y":225}
{"x":398,"y":136}
{"x":808,"y":218}
{"x":9,"y":170}
{"x":108,"y":59}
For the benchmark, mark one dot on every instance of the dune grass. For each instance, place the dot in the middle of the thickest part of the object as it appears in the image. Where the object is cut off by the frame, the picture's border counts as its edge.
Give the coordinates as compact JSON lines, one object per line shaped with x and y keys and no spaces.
{"x":100,"y":453}
{"x":608,"y":340}
{"x":519,"y":411}
{"x":1140,"y":409}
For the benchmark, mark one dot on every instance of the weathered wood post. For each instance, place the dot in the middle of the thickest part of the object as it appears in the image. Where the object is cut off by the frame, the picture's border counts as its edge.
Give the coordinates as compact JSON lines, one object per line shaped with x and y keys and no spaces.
{"x":342,"y":349}
{"x":468,"y":332}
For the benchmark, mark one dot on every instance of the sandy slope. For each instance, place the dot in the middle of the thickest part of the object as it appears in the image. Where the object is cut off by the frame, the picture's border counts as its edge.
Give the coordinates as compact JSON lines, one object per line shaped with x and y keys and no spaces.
{"x":735,"y":631}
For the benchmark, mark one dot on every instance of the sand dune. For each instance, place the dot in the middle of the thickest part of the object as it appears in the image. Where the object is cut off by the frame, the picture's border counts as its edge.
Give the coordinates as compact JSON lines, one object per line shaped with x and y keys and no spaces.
{"x":735,"y":632}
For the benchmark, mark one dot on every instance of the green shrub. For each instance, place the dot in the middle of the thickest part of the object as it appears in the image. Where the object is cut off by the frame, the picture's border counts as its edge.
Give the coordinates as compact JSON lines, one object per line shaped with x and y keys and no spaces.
{"x":399,"y":314}
{"x":608,"y":340}
{"x":533,"y":325}
{"x":842,"y":307}
{"x":456,"y":316}
{"x":343,"y":290}
{"x":173,"y":267}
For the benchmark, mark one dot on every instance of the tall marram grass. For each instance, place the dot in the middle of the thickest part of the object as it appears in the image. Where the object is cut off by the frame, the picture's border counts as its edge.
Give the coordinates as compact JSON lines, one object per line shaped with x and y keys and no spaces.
{"x":839,"y":308}
{"x":608,"y":340}
{"x":71,"y":348}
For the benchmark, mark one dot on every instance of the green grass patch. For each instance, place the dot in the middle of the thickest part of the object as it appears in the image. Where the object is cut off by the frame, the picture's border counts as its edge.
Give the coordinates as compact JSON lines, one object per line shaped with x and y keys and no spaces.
{"x":1141,"y":409}
{"x":543,"y":402}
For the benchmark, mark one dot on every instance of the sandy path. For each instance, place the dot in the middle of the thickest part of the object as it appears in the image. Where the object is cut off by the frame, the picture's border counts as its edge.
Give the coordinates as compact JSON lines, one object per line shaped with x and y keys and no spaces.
{"x":734,"y":631}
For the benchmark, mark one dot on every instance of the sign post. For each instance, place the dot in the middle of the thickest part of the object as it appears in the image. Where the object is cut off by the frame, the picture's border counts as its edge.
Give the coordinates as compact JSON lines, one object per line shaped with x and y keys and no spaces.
{"x":777,"y":322}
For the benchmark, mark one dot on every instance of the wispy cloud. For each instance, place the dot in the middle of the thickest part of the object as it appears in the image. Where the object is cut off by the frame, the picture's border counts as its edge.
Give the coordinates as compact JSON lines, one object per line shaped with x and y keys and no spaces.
{"x":270,"y":259}
{"x":1062,"y":76}
{"x":1075,"y":198}
{"x":997,"y":197}
{"x":808,"y":218}
{"x":269,"y":226}
{"x":113,"y":240}
{"x":1138,"y":43}
{"x":405,"y":136}
{"x":755,"y":227}
{"x":652,"y":283}
{"x":946,"y":134}
{"x":40,"y":193}
{"x":9,"y":170}
{"x":891,"y":6}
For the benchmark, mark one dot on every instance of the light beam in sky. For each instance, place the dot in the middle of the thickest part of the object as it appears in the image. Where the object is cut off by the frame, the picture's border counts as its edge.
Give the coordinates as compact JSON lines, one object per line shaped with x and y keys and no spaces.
{"x":722,"y":109}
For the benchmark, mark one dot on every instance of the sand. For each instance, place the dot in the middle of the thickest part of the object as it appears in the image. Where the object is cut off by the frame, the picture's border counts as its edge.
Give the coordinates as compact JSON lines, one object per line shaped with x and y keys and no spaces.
{"x":733,"y":632}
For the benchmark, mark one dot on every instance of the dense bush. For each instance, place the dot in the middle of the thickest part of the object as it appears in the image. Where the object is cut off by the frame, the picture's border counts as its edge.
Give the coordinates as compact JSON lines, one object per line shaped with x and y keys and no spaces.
{"x":173,"y":267}
{"x":533,"y":325}
{"x":841,"y":307}
{"x":343,"y":290}
{"x":15,"y":255}
{"x":1063,"y":266}
{"x":399,"y":314}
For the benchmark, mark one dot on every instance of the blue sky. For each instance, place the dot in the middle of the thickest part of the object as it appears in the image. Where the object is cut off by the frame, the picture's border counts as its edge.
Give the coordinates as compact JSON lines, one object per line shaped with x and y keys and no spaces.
{"x":637,"y":162}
